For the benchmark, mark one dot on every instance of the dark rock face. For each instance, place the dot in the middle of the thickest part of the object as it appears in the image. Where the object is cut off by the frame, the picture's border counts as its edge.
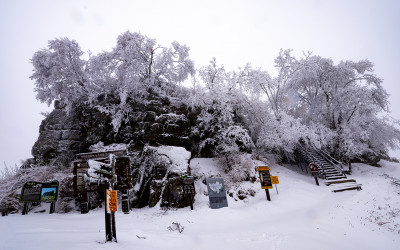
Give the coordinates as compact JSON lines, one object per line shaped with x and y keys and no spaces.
{"x":59,"y":135}
{"x":151,"y":124}
{"x":156,"y":122}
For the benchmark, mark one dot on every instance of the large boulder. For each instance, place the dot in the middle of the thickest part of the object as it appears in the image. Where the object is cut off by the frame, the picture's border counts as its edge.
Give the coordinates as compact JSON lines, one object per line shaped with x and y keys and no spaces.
{"x":157,"y":177}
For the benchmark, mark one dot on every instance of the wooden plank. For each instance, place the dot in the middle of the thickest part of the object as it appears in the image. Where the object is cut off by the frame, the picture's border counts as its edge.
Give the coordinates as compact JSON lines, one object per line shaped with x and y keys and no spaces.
{"x":335,"y":177}
{"x":348,"y":188}
{"x":344,"y":185}
{"x":339,"y":181}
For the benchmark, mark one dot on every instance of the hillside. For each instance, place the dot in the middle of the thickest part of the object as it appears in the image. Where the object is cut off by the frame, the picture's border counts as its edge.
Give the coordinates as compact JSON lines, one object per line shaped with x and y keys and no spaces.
{"x":301,"y":216}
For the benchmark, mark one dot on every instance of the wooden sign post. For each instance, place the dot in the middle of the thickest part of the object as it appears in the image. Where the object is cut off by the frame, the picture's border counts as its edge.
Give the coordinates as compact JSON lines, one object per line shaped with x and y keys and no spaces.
{"x":105,"y":173}
{"x":84,"y":185}
{"x":265,"y":179}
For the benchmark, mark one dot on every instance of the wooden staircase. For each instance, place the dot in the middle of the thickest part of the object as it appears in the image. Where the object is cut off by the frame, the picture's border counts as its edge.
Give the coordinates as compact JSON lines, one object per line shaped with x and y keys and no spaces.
{"x":330,"y":169}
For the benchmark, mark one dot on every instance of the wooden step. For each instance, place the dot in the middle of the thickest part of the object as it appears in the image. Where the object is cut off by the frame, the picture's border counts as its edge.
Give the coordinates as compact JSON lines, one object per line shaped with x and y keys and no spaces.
{"x":332,"y":172}
{"x":347,"y":187}
{"x":339,"y":181}
{"x":335,"y":177}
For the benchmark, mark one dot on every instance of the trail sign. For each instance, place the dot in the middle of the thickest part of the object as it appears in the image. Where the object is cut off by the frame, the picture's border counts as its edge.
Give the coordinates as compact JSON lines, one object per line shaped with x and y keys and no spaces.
{"x":313,"y":167}
{"x":33,"y":191}
{"x":274,"y":180}
{"x":265,"y":177}
{"x":93,"y":169}
{"x":188,"y":188}
{"x":111,"y":201}
{"x":216,"y":192}
{"x":188,"y":185}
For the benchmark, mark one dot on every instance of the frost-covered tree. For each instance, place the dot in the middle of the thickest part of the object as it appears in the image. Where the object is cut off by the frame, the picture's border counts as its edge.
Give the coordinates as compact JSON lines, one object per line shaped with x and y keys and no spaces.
{"x":135,"y":68}
{"x":222,"y":102}
{"x":275,"y":89}
{"x":60,"y":72}
{"x":335,"y":107}
{"x":347,"y":98}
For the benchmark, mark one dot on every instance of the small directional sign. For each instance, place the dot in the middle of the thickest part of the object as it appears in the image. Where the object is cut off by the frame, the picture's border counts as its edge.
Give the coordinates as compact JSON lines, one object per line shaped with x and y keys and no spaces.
{"x":111,"y":201}
{"x":274,"y":180}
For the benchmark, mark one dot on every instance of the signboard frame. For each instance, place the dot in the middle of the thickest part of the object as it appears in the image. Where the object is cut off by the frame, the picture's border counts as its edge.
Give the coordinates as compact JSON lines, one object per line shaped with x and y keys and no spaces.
{"x":33,"y":191}
{"x":265,"y":177}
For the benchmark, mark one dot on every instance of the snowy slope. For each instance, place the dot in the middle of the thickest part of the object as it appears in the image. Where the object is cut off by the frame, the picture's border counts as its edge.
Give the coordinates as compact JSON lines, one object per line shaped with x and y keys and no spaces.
{"x":301,"y":216}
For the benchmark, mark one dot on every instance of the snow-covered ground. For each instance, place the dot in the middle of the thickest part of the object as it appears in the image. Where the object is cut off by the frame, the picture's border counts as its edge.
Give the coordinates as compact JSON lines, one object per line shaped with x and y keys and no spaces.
{"x":301,"y":216}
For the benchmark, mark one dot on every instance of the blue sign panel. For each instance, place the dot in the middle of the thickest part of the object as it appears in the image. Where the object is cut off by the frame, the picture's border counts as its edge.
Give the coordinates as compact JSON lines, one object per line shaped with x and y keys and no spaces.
{"x":216,"y":192}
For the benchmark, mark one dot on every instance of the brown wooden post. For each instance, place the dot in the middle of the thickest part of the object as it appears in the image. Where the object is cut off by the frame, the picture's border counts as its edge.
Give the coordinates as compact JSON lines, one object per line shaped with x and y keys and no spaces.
{"x":52,"y":207}
{"x":267,"y":193}
{"x":191,"y":201}
{"x":25,"y":209}
{"x":107,"y":216}
{"x":84,"y":203}
{"x":316,"y":180}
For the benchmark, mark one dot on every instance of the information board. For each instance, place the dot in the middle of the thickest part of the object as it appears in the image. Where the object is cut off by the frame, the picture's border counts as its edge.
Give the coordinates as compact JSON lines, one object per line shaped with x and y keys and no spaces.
{"x":216,"y":192}
{"x":265,"y":177}
{"x":122,"y":170}
{"x":80,"y":185}
{"x":33,"y":191}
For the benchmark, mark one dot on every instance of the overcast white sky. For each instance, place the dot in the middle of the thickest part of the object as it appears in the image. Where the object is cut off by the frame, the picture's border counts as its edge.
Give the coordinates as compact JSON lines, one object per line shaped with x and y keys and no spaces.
{"x":235,"y":32}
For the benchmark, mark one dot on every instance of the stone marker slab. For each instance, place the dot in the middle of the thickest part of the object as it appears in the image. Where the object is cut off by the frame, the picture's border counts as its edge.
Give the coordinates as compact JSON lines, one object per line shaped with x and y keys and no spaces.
{"x":216,"y":192}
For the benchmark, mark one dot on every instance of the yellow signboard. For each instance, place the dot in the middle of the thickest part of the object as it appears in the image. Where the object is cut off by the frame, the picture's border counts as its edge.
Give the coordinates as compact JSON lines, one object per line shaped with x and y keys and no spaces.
{"x":263,"y":168}
{"x":111,"y":201}
{"x":274,"y":180}
{"x":265,"y":177}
